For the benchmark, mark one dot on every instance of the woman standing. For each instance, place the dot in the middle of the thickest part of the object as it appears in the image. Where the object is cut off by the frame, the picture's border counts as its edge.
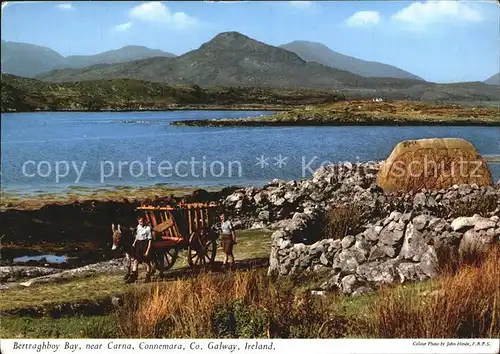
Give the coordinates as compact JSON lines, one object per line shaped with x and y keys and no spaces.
{"x":228,"y":239}
{"x":141,"y":249}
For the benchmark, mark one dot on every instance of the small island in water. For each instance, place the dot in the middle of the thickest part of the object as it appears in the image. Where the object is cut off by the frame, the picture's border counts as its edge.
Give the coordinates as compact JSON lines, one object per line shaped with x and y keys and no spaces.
{"x":365,"y":112}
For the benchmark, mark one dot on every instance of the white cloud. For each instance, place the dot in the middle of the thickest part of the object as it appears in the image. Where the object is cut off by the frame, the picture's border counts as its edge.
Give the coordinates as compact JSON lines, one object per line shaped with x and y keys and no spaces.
{"x":157,"y":12}
{"x":421,"y":14}
{"x":301,"y":4}
{"x":364,"y":19}
{"x":65,"y":7}
{"x":122,"y":27}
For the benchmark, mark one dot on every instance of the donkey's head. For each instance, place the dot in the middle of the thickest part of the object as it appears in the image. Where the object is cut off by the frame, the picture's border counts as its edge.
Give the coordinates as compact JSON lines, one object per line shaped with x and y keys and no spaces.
{"x":117,"y":236}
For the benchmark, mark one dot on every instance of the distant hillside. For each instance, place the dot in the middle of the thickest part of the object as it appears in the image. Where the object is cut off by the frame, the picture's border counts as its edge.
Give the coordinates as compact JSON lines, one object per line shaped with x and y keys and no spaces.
{"x":319,"y":53}
{"x":494,"y":80}
{"x":230,"y":59}
{"x":122,"y":55}
{"x":30,"y":60}
{"x":19,"y":94}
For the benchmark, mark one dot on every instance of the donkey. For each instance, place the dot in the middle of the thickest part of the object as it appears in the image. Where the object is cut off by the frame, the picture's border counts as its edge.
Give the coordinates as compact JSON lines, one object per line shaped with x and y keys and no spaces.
{"x":124,"y":240}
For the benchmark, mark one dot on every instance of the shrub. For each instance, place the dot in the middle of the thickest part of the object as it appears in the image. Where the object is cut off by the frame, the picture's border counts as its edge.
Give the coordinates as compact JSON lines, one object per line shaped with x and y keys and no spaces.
{"x":343,"y":220}
{"x":469,"y":207}
{"x":240,"y":305}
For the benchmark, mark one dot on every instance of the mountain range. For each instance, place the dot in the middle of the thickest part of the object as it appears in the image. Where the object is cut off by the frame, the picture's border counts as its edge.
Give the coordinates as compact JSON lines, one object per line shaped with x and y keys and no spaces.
{"x":229,"y":59}
{"x":320,"y":53}
{"x":29,"y":60}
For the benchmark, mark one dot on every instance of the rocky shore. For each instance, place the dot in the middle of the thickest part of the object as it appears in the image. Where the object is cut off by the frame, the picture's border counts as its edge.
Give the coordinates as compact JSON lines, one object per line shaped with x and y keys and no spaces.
{"x":403,"y":236}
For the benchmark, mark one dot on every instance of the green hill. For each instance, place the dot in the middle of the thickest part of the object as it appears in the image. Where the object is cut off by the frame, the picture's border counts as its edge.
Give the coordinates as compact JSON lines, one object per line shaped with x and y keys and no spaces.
{"x":24,"y":94}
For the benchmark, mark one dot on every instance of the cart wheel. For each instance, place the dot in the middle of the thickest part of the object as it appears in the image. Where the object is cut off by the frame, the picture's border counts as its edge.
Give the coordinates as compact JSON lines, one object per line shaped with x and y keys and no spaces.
{"x":169,"y":258}
{"x":202,"y":249}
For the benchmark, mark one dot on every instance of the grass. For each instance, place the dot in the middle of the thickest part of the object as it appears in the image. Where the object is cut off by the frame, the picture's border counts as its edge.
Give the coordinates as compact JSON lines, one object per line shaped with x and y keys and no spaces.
{"x":465,"y":306}
{"x":64,"y":327}
{"x":82,"y":194}
{"x":251,"y":244}
{"x":81,"y":289}
{"x":462,"y":304}
{"x":249,"y":304}
{"x":361,"y":112}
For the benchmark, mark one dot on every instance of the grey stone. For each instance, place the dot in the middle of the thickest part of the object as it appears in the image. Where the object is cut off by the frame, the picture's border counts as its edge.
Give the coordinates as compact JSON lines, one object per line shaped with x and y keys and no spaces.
{"x":362,"y":290}
{"x":362,"y":246}
{"x":395,"y":216}
{"x":258,"y":225}
{"x":431,"y":202}
{"x":414,"y":244}
{"x":260,"y":198}
{"x":264,"y":215}
{"x":484,"y":224}
{"x":319,"y":268}
{"x":324,"y":260}
{"x":420,"y":222}
{"x":475,"y":242}
{"x":348,"y":260}
{"x":233,"y":198}
{"x":438,"y":225}
{"x":429,"y":263}
{"x":331,"y":284}
{"x":348,"y":283}
{"x":385,"y":273}
{"x":347,"y":241}
{"x":372,"y":233}
{"x":464,"y":222}
{"x":419,"y":199}
{"x":389,"y":237}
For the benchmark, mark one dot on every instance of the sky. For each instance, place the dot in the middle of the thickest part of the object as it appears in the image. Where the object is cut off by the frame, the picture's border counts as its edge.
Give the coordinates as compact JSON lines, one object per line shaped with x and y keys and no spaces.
{"x":440,"y":41}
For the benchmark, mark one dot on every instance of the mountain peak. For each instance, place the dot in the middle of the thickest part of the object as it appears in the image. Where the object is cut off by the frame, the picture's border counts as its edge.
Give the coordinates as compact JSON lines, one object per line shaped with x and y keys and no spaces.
{"x":233,"y":40}
{"x":231,"y":36}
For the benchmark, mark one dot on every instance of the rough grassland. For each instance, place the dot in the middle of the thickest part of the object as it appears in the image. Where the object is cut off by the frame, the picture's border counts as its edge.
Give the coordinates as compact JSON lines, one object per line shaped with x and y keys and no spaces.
{"x":26,"y":95}
{"x":252,"y":244}
{"x":82,"y":194}
{"x":367,"y":113}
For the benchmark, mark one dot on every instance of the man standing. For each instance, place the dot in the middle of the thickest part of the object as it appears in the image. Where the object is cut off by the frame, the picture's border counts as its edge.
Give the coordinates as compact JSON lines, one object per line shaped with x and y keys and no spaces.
{"x":141,"y":249}
{"x":228,"y":239}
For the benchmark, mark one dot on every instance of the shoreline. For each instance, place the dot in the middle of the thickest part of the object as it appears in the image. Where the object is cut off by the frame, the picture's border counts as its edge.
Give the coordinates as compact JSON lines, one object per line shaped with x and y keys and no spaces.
{"x":329,"y":123}
{"x":242,"y":107}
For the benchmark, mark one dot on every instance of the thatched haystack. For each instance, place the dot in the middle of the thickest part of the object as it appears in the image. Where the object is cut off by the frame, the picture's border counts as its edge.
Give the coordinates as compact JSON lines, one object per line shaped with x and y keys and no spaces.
{"x":433,"y":164}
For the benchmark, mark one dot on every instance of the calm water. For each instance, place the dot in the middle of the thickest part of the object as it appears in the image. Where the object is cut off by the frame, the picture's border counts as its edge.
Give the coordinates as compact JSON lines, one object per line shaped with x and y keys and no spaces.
{"x":76,"y":150}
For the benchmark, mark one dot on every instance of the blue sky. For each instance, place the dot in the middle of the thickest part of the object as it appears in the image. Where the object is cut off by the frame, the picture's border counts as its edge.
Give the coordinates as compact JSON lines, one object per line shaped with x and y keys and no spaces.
{"x":441,"y":41}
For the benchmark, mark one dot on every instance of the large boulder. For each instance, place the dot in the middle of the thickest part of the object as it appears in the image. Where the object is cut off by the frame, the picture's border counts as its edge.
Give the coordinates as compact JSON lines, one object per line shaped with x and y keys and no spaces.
{"x":433,"y":164}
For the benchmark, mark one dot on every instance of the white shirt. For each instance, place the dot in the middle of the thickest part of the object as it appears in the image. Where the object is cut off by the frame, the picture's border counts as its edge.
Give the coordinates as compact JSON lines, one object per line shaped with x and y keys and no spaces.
{"x":143,"y":233}
{"x":227,"y":227}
